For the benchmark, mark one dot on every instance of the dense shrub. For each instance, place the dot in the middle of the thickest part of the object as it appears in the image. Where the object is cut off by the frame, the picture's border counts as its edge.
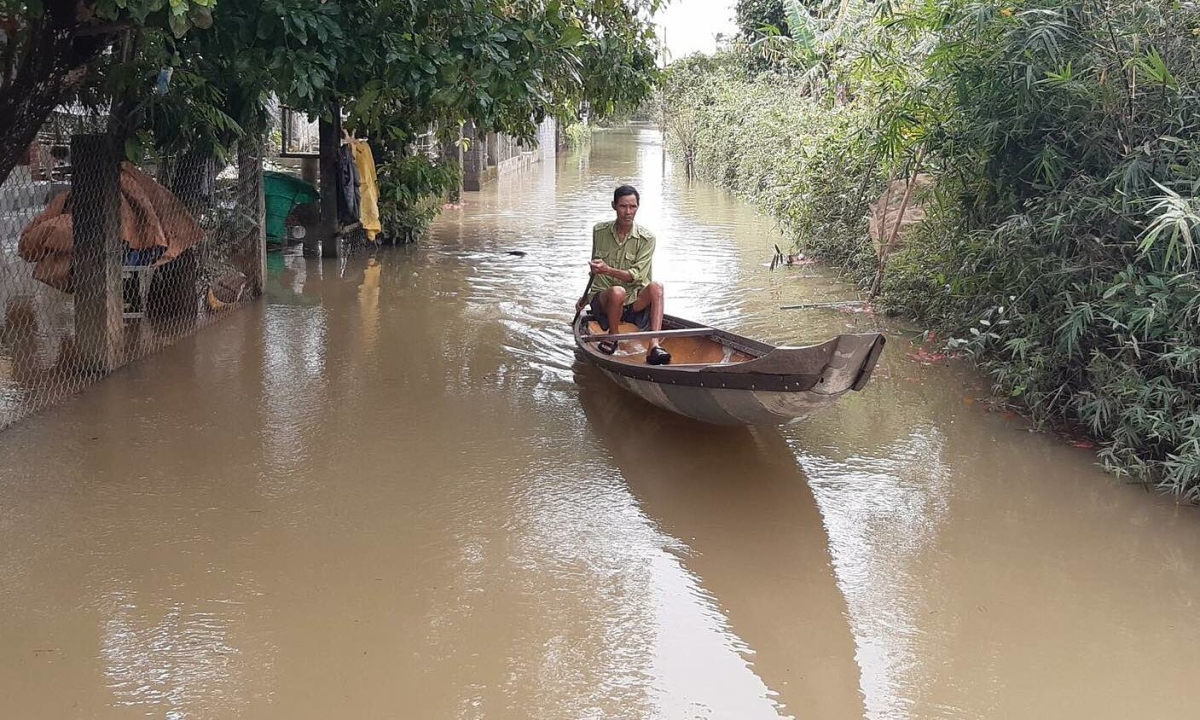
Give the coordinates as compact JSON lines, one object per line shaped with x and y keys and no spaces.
{"x":802,"y":162}
{"x":577,"y":135}
{"x":1062,"y":252}
{"x":412,"y":188}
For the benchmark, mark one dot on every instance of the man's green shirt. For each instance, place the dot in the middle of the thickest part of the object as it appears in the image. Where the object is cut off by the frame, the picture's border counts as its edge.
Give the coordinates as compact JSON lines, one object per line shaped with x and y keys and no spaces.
{"x":634,"y":255}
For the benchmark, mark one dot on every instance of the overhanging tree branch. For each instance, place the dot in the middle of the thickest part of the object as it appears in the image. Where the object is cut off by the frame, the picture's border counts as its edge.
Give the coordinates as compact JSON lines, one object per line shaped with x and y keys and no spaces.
{"x":48,"y":52}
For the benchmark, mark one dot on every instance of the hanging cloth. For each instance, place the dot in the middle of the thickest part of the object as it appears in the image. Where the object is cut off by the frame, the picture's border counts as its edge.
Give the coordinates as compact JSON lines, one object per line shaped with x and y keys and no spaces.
{"x":347,"y":187}
{"x":368,"y":186}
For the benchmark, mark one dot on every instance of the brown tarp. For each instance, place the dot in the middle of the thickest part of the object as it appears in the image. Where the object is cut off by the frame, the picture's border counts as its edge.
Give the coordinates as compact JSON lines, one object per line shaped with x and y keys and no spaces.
{"x":151,"y":216}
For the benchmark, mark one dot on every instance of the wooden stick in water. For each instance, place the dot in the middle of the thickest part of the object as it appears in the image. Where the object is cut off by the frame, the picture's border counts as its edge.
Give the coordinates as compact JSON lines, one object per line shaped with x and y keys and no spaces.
{"x":810,"y":306}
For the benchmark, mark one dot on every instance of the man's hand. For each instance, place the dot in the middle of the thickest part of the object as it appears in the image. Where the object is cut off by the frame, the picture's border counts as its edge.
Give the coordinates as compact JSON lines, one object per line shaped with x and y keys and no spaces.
{"x":600,"y":267}
{"x":579,"y":304}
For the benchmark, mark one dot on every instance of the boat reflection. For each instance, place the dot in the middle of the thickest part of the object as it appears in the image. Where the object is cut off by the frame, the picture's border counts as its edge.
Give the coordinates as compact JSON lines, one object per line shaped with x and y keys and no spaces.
{"x":754,"y":536}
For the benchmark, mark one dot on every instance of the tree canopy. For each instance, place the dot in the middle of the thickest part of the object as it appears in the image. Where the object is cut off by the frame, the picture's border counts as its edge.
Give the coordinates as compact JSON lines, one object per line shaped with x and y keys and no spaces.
{"x":752,"y":16}
{"x":395,"y":66}
{"x":48,"y":47}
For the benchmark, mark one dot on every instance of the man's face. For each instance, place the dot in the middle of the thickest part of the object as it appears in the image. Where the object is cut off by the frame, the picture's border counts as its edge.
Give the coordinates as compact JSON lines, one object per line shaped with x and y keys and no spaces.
{"x":626,"y":208}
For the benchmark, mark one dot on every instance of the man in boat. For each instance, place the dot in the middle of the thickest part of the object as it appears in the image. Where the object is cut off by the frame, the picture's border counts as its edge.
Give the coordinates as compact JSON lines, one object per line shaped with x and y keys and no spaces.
{"x":622,"y":288}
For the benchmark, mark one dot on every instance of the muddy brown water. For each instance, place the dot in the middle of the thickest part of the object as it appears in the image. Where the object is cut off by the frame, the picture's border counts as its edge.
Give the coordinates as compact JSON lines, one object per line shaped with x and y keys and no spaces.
{"x":390,"y":491}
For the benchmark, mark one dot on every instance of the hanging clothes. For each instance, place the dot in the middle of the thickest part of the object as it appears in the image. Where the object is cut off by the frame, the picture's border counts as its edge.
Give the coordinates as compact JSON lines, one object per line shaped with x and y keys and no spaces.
{"x":368,"y":185}
{"x":348,"y":196}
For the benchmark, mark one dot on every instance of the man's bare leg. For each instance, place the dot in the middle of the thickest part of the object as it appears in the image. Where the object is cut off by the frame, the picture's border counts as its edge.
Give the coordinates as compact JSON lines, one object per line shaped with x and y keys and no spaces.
{"x":612,"y":301}
{"x":651,"y":297}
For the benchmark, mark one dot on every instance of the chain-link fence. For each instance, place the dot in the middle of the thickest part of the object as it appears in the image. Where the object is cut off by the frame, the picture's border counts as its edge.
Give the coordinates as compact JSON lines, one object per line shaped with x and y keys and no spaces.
{"x":103,"y":261}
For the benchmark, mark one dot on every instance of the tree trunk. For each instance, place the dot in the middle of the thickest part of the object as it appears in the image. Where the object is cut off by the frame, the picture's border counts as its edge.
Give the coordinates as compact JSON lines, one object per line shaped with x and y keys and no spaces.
{"x":98,"y":251}
{"x":251,"y":250}
{"x":123,"y":117}
{"x":327,"y":237}
{"x":877,"y":283}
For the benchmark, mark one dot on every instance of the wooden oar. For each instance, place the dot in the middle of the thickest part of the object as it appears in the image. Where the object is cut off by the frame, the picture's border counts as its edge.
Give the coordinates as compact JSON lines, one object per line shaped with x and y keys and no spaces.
{"x":591,"y":279}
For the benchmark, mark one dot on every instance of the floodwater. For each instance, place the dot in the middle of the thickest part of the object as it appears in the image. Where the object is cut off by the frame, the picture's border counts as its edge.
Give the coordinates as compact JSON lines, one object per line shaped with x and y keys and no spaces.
{"x":391,"y":491}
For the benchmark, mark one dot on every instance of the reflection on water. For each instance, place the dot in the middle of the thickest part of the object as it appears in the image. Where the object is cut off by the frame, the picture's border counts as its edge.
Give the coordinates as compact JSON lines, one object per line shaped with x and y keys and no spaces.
{"x":392,"y":491}
{"x":751,"y":531}
{"x":179,"y":661}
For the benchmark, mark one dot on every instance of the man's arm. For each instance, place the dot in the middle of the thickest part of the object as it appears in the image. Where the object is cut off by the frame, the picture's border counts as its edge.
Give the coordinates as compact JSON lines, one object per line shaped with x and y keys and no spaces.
{"x":601,"y":268}
{"x":639,"y":270}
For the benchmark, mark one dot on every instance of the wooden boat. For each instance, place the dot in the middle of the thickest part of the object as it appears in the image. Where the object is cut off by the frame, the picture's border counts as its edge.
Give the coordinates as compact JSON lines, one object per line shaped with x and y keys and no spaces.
{"x":726,"y":379}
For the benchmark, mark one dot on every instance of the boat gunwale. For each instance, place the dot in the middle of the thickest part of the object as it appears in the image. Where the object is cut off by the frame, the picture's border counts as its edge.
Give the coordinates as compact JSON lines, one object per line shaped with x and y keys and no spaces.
{"x":701,"y":375}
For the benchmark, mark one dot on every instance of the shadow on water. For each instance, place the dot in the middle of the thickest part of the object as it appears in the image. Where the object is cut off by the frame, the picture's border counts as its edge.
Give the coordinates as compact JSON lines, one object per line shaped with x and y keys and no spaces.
{"x":738,"y":501}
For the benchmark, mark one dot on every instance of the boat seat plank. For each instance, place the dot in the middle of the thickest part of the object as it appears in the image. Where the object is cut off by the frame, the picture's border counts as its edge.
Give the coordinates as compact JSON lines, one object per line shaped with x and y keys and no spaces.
{"x":695,"y":351}
{"x":648,"y":335}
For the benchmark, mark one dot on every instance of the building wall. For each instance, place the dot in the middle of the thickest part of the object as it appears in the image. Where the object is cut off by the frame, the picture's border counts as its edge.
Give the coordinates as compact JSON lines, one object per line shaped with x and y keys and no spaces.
{"x":493,"y":155}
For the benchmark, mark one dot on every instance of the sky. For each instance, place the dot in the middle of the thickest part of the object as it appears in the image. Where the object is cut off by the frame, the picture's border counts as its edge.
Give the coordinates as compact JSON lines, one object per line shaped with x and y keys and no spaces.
{"x":692,"y":24}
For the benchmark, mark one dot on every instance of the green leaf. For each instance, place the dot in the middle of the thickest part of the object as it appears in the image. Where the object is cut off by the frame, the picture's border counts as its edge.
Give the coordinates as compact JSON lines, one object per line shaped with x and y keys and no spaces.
{"x":571,"y":36}
{"x":133,"y":150}
{"x":178,"y":23}
{"x":200,"y":17}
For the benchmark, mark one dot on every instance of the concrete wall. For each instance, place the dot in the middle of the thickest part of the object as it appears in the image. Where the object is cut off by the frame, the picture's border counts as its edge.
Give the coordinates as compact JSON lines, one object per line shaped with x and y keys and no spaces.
{"x":547,"y":134}
{"x":491,"y":155}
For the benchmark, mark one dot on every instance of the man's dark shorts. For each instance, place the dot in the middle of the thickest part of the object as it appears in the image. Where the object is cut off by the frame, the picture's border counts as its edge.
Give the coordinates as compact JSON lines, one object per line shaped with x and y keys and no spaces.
{"x":641,"y":318}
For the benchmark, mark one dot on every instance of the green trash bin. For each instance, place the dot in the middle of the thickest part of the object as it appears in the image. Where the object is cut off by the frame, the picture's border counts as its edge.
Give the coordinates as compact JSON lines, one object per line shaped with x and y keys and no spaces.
{"x":282,"y":193}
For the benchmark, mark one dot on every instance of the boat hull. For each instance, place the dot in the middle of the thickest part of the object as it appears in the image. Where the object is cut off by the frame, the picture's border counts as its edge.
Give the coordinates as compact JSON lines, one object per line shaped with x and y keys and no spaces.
{"x":727,"y":379}
{"x":722,"y":406}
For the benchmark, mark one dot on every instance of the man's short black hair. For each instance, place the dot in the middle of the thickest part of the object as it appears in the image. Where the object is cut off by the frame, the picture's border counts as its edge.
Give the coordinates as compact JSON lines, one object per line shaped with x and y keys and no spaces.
{"x":626,"y":190}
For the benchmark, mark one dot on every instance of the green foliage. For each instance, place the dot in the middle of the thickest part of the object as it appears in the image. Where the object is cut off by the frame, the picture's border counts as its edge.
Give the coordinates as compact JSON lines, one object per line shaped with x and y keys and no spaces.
{"x":774,"y":144}
{"x":752,"y":16}
{"x":393,"y":67}
{"x":398,"y":67}
{"x":616,"y":58}
{"x":1061,"y":251}
{"x":822,"y":50}
{"x":578,"y":135}
{"x":47,"y":48}
{"x":178,"y":16}
{"x":1064,"y":138}
{"x":411,"y":191}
